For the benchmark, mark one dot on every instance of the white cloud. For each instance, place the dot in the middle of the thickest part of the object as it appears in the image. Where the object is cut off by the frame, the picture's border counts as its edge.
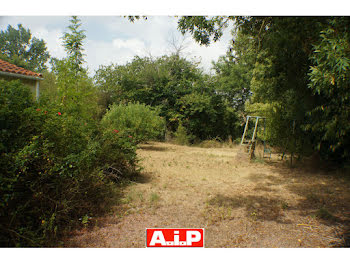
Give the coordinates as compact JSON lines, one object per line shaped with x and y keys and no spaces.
{"x":117,"y":51}
{"x":151,"y":37}
{"x":133,"y":44}
{"x":113,"y":39}
{"x":212,"y":52}
{"x":53,"y":40}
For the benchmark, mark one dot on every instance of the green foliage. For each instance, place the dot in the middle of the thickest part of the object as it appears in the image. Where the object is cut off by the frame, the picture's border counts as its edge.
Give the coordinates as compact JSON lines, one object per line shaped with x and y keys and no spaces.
{"x":58,"y":164}
{"x":73,"y":43}
{"x":271,"y":57}
{"x":206,"y":116}
{"x":48,"y":88}
{"x":295,"y":68}
{"x":56,"y":175}
{"x":137,"y":121}
{"x":329,"y":80}
{"x":75,"y":88}
{"x":280,"y":131}
{"x":203,"y":29}
{"x":196,"y":110}
{"x":235,"y":70}
{"x":177,"y":87}
{"x":15,"y":97}
{"x":18,"y":47}
{"x":76,"y":91}
{"x":181,"y":136}
{"x":153,"y":82}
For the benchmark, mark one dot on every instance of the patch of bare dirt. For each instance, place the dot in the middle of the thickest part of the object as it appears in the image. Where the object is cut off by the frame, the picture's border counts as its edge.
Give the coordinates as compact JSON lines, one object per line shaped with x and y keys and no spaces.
{"x":240,"y":203}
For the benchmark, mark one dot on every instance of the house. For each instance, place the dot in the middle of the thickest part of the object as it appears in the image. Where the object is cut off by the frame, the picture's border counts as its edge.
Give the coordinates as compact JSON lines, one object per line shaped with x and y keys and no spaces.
{"x":10,"y":71}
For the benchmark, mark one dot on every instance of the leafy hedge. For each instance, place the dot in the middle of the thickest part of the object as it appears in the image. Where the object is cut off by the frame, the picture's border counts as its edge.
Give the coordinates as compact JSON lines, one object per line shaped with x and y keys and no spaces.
{"x":53,"y":168}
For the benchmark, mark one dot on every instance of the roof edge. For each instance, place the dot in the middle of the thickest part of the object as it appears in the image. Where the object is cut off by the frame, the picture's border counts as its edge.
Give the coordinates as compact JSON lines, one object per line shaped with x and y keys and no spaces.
{"x":9,"y":74}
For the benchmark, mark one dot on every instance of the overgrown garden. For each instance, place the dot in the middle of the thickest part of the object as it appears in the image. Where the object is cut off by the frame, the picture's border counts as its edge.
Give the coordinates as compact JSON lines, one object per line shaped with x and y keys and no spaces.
{"x":62,"y":158}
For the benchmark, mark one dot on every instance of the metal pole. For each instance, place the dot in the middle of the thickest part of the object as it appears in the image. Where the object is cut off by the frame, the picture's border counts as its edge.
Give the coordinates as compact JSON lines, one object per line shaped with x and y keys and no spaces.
{"x":37,"y":91}
{"x":245,"y":129}
{"x":256,"y":125}
{"x":252,"y":147}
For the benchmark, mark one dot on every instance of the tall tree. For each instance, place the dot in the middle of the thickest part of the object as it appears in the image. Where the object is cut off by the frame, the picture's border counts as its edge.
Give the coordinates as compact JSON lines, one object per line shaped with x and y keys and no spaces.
{"x":234,"y":71}
{"x":73,"y":42}
{"x":299,"y":74}
{"x":75,"y":88}
{"x":18,"y":47}
{"x":330,"y":82}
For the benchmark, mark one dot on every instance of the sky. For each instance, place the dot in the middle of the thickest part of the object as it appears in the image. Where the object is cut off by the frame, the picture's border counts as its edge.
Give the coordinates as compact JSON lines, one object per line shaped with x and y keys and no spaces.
{"x":111,"y":38}
{"x":114,"y":39}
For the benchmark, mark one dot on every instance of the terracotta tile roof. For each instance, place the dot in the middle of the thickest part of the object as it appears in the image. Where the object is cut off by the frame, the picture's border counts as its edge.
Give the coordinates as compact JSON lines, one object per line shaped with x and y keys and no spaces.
{"x":11,"y":68}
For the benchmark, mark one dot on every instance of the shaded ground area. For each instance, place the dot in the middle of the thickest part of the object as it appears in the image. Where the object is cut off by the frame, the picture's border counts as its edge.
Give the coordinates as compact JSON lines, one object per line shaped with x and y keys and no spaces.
{"x":239,"y":203}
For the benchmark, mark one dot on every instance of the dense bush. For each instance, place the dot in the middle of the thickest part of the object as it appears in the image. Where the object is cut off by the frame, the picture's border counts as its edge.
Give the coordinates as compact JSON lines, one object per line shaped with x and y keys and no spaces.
{"x":181,"y":135}
{"x":178,"y":88}
{"x":54,"y":172}
{"x":13,"y":119}
{"x":58,"y":165}
{"x":206,"y":116}
{"x":134,"y":120}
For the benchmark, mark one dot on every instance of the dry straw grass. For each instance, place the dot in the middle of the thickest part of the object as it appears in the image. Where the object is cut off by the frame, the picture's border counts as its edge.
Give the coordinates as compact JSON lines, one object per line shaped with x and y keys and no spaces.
{"x":239,"y":203}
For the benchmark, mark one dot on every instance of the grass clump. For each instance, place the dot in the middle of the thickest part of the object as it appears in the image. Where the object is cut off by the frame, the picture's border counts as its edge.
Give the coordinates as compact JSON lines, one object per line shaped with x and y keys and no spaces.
{"x":324,"y":214}
{"x":214,"y":143}
{"x":154,"y":198}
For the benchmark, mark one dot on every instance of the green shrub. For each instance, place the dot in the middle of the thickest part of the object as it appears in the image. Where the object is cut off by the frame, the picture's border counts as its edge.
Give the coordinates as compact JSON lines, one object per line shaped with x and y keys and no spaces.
{"x":14,"y":99}
{"x":181,"y":135}
{"x":54,"y":171}
{"x":207,"y":116}
{"x":139,"y":121}
{"x":118,"y":149}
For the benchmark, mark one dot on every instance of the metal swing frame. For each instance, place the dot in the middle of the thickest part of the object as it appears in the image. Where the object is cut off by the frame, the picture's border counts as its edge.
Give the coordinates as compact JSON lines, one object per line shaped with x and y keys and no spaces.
{"x":251,"y":143}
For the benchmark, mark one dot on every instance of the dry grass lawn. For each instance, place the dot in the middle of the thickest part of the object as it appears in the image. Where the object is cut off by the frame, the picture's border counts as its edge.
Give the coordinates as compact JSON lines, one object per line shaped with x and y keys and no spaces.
{"x":238,"y":202}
